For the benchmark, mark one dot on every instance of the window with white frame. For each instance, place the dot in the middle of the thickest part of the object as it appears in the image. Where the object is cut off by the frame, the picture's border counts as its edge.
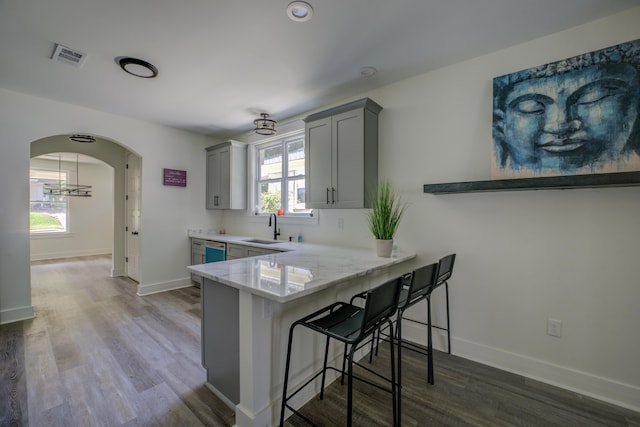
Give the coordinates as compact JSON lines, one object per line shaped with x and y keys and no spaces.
{"x":280,"y":177}
{"x":48,"y":213}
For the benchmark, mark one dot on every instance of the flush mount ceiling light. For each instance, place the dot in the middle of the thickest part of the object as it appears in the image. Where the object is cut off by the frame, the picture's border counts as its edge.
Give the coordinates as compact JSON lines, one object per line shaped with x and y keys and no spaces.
{"x":299,"y":11}
{"x":87,"y":139}
{"x":265,"y":125}
{"x":137,"y":67}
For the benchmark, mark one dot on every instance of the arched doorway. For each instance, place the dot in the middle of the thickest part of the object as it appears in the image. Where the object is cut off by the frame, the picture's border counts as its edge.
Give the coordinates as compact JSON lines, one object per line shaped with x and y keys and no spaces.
{"x":70,"y":206}
{"x":115,"y":155}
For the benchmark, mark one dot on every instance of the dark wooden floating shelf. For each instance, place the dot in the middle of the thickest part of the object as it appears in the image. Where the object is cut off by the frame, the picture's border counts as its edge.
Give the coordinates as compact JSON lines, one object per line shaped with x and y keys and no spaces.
{"x":620,"y":179}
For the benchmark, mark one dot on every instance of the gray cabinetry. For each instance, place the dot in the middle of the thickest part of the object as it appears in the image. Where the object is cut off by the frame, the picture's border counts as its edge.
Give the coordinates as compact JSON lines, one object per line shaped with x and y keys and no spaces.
{"x":253,"y":251}
{"x":198,"y":256}
{"x":227,"y":176}
{"x":341,"y":152}
{"x":220,"y":332}
{"x":235,"y":251}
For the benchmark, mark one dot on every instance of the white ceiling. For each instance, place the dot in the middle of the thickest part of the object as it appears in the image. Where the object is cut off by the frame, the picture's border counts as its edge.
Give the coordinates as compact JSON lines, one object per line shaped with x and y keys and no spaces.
{"x":222,"y":62}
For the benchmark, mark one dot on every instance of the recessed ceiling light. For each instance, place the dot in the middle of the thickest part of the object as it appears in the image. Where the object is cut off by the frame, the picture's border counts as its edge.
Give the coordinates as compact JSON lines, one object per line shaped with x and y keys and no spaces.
{"x":137,"y":67}
{"x":367,"y":71}
{"x":299,"y":11}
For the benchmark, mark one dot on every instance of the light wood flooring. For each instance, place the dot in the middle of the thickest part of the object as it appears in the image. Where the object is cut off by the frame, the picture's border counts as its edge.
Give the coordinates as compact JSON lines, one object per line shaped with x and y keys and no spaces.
{"x":98,"y":355}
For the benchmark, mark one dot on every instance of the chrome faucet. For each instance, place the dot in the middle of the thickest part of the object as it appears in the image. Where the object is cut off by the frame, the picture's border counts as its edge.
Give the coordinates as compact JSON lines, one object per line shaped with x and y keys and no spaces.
{"x":276,"y":230}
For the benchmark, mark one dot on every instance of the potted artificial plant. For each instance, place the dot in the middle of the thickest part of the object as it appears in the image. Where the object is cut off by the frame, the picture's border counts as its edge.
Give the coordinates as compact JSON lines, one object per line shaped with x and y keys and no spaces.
{"x":384,"y":217}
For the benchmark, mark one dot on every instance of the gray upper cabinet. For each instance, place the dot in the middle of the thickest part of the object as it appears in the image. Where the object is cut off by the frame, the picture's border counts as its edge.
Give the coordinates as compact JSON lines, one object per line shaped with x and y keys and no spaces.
{"x":341,"y":152}
{"x":227,"y":176}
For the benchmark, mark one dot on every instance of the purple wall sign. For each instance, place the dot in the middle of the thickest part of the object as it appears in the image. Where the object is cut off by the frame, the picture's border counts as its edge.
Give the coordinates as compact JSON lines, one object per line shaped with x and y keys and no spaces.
{"x":174,"y":177}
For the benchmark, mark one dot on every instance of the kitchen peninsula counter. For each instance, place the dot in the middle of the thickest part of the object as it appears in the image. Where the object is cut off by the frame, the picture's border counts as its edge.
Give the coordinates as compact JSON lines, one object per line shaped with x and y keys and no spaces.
{"x":300,"y":270}
{"x":249,"y":304}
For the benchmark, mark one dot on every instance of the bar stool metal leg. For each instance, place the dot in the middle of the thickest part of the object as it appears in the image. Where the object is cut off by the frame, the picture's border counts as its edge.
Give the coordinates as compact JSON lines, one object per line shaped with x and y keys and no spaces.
{"x":399,"y":339}
{"x":286,"y":375}
{"x":324,"y":368}
{"x":394,"y":386}
{"x":430,"y":345}
{"x":446,"y":288}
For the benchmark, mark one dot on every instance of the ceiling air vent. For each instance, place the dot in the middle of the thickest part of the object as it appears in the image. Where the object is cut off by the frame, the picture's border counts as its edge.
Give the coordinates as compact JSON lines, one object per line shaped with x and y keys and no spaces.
{"x":68,"y":55}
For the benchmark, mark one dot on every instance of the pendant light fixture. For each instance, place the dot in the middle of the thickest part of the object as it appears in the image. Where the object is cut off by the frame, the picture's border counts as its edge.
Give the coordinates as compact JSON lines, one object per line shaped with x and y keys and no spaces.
{"x":66,"y":189}
{"x":265,"y":125}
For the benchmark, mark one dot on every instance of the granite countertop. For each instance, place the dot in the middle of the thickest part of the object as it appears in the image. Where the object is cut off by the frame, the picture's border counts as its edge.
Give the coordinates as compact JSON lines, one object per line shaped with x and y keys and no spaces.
{"x":301,"y":269}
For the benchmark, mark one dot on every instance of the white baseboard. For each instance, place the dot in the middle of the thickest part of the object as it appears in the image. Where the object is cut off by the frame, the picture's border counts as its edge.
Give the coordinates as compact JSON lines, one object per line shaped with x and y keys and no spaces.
{"x":154,"y":288}
{"x":17,"y":314}
{"x":607,"y":390}
{"x":117,"y":272}
{"x":69,"y":254}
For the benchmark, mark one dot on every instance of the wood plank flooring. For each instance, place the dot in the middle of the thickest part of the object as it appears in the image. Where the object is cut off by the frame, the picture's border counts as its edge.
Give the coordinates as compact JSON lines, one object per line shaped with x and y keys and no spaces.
{"x":98,"y":355}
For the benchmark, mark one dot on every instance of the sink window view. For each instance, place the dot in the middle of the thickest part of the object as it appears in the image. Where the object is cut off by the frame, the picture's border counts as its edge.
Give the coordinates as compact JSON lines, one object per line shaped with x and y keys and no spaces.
{"x":281,"y":183}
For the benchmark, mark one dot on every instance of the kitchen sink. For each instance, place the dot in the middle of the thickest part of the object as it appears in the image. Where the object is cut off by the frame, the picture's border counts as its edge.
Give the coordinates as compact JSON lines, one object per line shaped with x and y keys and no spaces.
{"x":262,"y":242}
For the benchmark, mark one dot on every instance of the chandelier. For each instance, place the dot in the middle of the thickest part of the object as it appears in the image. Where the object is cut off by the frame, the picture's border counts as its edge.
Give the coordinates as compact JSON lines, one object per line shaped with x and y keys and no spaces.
{"x":265,"y":125}
{"x":64,"y":188}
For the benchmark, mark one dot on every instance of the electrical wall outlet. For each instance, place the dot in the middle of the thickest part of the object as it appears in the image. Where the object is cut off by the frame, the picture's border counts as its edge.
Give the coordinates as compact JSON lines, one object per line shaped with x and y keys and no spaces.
{"x":554,"y":327}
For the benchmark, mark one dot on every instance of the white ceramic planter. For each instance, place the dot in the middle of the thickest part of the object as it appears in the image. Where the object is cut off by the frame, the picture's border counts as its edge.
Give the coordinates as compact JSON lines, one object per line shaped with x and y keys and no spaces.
{"x":384,"y":247}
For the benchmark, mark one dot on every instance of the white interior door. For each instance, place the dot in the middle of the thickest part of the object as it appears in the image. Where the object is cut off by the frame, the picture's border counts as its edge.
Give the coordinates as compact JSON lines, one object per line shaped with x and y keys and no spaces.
{"x":134,"y":189}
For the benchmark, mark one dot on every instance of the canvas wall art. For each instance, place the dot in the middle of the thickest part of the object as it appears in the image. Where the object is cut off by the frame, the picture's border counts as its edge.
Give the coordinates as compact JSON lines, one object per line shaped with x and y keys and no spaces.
{"x":580,"y":115}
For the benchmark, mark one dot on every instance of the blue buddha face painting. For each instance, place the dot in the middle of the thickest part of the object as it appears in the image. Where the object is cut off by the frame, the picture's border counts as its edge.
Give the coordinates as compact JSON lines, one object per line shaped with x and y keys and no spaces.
{"x":576,"y":116}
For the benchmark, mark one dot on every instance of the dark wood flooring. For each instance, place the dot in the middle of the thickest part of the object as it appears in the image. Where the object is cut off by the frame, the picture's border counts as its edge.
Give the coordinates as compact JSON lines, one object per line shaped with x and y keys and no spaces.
{"x":98,"y":355}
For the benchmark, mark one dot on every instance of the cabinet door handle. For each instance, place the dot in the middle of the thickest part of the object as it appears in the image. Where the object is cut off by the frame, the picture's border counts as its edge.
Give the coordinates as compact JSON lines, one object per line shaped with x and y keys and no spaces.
{"x":327,"y":195}
{"x":135,"y":233}
{"x":333,"y":195}
{"x":215,"y":200}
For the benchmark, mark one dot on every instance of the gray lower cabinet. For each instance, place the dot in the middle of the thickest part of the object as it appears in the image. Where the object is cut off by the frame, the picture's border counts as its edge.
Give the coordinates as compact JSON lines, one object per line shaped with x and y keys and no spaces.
{"x":235,"y":251}
{"x":253,"y":251}
{"x":341,"y":153}
{"x":198,"y":256}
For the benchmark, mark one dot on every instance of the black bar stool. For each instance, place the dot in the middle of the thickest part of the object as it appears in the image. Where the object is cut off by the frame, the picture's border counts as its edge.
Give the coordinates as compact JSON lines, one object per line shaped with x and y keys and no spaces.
{"x":445,"y":270}
{"x":350,"y":325}
{"x":417,"y":287}
{"x":421,"y":285}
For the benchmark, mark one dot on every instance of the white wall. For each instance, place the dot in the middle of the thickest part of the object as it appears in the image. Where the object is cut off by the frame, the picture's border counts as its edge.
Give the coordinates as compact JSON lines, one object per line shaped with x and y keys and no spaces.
{"x":526,"y":256}
{"x":523,"y":257}
{"x":90,"y":218}
{"x":167,"y":212}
